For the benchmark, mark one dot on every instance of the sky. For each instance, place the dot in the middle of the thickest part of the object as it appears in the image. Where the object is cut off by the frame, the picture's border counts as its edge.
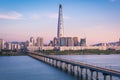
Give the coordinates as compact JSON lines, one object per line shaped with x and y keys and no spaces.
{"x":96,"y":20}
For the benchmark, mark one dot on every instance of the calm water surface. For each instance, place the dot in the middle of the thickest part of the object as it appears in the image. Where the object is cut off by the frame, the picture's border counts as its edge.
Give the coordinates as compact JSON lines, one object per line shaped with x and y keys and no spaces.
{"x":27,"y":68}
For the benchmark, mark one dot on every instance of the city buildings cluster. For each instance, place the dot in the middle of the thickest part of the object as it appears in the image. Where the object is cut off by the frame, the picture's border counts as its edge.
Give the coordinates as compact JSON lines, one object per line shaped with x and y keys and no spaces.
{"x":68,"y":41}
{"x":11,"y":45}
{"x":32,"y":42}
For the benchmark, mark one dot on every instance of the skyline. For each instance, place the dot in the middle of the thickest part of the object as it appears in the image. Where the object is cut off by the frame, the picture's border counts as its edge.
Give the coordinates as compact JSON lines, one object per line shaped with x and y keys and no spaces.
{"x":97,"y":20}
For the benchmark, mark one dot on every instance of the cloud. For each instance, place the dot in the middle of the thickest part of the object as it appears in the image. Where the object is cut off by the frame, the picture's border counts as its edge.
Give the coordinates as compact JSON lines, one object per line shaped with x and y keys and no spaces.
{"x":35,"y":16}
{"x":11,"y":15}
{"x":54,"y":16}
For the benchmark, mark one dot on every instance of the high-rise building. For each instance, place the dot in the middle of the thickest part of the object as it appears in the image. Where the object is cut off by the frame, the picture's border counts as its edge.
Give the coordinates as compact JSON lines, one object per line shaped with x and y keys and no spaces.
{"x":55,"y":41}
{"x":75,"y":41}
{"x":27,"y":43}
{"x":63,"y":41}
{"x":16,"y":46}
{"x":39,"y":41}
{"x":70,"y":41}
{"x":1,"y":44}
{"x":8,"y":46}
{"x":60,"y":30}
{"x":32,"y":41}
{"x":51,"y":43}
{"x":83,"y":42}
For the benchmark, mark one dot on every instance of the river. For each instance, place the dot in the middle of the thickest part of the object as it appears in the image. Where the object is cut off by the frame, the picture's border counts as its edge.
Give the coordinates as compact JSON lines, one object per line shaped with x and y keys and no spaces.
{"x":27,"y":68}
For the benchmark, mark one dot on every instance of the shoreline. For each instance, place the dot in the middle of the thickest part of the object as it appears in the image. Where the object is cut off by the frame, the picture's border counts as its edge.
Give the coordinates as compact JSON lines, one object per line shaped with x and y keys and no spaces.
{"x":80,"y":52}
{"x":12,"y":54}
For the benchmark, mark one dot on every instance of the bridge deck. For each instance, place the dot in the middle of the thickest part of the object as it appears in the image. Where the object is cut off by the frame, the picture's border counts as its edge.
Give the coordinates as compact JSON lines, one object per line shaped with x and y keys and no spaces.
{"x":83,"y":65}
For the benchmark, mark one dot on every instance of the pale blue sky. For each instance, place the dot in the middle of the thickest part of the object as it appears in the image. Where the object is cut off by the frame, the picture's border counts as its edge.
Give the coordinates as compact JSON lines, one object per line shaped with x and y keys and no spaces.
{"x":97,"y":20}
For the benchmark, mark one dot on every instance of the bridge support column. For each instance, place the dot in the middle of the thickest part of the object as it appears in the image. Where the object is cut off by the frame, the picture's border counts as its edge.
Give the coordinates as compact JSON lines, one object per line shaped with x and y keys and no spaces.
{"x":49,"y":60}
{"x":45,"y":59}
{"x":73,"y":72}
{"x":72,"y":69}
{"x":42,"y":58}
{"x":110,"y":77}
{"x":56,"y":64}
{"x":52,"y":62}
{"x":97,"y":77}
{"x":66,"y":67}
{"x":78,"y":71}
{"x":105,"y":76}
{"x":81,"y":73}
{"x":91,"y":74}
{"x":60,"y":65}
{"x":86,"y":74}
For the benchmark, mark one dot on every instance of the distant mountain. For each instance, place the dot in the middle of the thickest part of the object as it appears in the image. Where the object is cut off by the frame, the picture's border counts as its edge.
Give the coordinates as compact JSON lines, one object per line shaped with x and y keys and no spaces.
{"x":114,"y":43}
{"x":108,"y":44}
{"x":98,"y":44}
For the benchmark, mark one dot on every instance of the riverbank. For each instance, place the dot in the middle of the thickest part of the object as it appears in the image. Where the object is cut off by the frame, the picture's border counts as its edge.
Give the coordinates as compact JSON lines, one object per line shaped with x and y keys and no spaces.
{"x":80,"y":52}
{"x":11,"y":53}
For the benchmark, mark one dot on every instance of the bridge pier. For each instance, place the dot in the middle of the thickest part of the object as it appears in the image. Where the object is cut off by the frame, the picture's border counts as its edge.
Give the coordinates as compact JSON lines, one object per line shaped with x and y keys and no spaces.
{"x":60,"y":65}
{"x":81,"y":72}
{"x":56,"y":64}
{"x":45,"y":59}
{"x":72,"y":69}
{"x":78,"y":71}
{"x":66,"y":67}
{"x":97,"y":77}
{"x":48,"y":60}
{"x":110,"y":77}
{"x":52,"y":62}
{"x":86,"y":74}
{"x":105,"y":76}
{"x":92,"y":78}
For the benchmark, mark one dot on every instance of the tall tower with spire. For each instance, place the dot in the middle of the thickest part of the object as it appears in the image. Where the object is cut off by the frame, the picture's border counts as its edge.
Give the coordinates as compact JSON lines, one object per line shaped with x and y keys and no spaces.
{"x":60,"y":30}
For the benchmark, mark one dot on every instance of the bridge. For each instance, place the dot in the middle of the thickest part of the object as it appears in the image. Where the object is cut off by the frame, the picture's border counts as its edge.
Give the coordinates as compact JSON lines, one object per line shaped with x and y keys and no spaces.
{"x":59,"y":62}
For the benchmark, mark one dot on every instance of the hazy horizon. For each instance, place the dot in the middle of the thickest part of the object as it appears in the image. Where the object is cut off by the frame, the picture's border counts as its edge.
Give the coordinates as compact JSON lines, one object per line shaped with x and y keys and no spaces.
{"x":97,"y":20}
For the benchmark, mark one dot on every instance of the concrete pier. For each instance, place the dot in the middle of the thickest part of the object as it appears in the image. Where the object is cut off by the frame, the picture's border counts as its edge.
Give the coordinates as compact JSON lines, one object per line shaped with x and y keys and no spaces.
{"x":105,"y":76}
{"x":66,"y":67}
{"x":110,"y":77}
{"x":78,"y":71}
{"x":86,"y":74}
{"x":91,"y":74}
{"x":97,"y":77}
